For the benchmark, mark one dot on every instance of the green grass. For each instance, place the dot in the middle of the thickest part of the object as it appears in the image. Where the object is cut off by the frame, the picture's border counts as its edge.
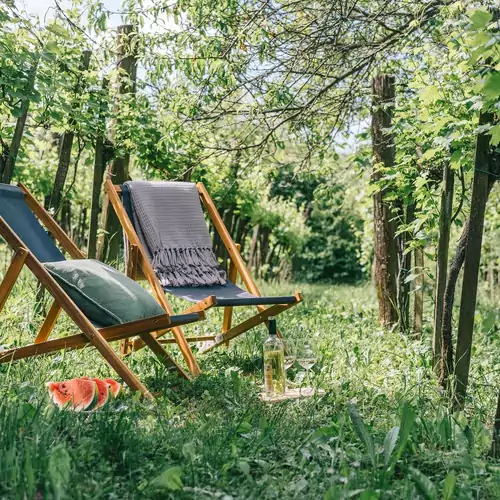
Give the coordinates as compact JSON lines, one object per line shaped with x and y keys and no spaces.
{"x":214,"y":439}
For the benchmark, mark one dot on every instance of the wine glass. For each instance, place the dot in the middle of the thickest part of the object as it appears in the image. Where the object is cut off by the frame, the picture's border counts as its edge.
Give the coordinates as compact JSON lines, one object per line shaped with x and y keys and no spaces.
{"x":306,"y":356}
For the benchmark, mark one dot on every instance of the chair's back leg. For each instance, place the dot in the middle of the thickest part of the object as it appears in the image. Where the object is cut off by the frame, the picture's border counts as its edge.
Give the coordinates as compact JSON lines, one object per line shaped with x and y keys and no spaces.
{"x":131,"y":265}
{"x":49,"y":322}
{"x":12,"y":274}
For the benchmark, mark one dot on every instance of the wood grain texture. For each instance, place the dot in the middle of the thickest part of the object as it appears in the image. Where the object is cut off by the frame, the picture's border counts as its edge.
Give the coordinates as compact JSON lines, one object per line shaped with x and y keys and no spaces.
{"x":49,"y":322}
{"x":10,"y":278}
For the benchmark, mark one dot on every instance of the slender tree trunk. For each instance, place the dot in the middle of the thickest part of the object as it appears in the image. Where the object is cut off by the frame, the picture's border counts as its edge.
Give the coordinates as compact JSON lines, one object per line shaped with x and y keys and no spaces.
{"x":253,"y":247}
{"x":66,"y":142}
{"x":404,"y":259}
{"x":66,"y":216}
{"x":82,"y":228}
{"x":480,"y":193}
{"x":100,"y":161}
{"x":8,"y":170}
{"x":495,"y":444}
{"x":442,"y":262}
{"x":448,"y":302}
{"x":110,"y":240}
{"x":264,"y":248}
{"x":386,"y":251}
{"x":418,"y":299}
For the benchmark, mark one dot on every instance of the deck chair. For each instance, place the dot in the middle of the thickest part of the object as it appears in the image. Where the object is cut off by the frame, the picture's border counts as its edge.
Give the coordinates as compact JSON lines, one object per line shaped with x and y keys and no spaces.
{"x":20,"y":217}
{"x":227,"y":296}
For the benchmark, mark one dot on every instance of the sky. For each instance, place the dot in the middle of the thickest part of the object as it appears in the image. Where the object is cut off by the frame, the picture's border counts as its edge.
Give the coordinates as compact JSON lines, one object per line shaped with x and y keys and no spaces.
{"x":45,"y":9}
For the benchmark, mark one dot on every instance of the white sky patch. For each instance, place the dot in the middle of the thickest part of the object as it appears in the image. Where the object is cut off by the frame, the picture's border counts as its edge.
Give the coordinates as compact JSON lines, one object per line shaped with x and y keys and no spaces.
{"x":45,"y":9}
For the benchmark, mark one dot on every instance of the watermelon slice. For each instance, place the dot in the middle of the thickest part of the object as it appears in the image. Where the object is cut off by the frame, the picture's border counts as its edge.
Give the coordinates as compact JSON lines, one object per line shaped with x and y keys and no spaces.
{"x":114,"y":386}
{"x":77,"y":394}
{"x":103,"y":391}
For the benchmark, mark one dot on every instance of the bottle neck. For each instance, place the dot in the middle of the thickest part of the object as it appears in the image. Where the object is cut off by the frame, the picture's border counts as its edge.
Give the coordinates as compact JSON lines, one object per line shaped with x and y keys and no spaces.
{"x":272,"y":327}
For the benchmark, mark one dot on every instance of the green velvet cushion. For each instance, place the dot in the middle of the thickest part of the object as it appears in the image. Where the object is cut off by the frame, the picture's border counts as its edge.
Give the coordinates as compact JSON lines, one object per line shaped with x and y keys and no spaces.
{"x":106,"y":296}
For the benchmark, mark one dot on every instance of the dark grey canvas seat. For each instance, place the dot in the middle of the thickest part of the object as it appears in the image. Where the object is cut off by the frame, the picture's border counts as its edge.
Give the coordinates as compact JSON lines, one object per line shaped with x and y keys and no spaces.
{"x":21,"y":219}
{"x":228,"y":295}
{"x":17,"y":214}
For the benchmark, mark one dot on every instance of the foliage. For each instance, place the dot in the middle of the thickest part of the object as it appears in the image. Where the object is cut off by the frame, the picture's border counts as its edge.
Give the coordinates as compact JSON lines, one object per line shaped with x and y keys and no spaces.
{"x":381,"y":431}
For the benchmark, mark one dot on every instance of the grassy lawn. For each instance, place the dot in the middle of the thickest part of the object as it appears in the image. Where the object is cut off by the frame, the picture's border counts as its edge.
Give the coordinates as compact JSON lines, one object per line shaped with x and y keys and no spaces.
{"x":214,"y":439}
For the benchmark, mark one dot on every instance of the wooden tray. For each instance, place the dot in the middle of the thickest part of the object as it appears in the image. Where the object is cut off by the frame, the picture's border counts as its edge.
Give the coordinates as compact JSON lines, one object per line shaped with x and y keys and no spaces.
{"x":298,"y":393}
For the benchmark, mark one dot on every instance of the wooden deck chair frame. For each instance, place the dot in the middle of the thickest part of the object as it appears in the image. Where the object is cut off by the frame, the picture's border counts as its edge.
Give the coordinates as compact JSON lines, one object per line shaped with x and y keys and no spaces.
{"x":146,"y":329}
{"x":138,"y":257}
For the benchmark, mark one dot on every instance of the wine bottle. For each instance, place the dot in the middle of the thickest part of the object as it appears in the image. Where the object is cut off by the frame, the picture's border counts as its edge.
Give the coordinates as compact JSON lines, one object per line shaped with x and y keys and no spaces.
{"x":274,"y":362}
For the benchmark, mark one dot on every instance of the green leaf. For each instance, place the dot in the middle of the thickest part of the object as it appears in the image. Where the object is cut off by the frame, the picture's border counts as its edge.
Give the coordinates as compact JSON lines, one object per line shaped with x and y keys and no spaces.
{"x":59,"y":469}
{"x":491,"y":86}
{"x":408,"y":417}
{"x":495,"y":135}
{"x":58,"y":30}
{"x":169,"y":479}
{"x":429,"y":95}
{"x":424,"y":484}
{"x":449,"y":485}
{"x":480,"y":19}
{"x":244,"y":467}
{"x":489,"y":321}
{"x":362,"y":432}
{"x":390,"y":443}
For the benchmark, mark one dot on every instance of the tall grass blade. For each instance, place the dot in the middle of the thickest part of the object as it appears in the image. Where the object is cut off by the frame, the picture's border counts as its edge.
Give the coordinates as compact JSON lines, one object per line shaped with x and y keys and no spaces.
{"x":425,"y":486}
{"x":362,"y":432}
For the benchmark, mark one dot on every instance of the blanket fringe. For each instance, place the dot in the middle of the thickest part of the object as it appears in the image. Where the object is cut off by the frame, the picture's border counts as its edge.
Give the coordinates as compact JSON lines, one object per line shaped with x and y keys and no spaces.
{"x":188,"y":267}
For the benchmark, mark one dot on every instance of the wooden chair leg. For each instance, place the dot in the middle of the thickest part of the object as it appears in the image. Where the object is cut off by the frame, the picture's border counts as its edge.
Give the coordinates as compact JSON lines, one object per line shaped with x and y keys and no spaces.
{"x":49,"y":322}
{"x":132,"y":263}
{"x":12,"y":274}
{"x":228,"y":311}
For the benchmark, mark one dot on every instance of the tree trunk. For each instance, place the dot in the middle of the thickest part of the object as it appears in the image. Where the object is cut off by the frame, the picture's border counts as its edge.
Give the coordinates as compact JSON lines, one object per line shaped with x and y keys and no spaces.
{"x":8,"y":170}
{"x":480,"y":192}
{"x":264,"y":248}
{"x":442,"y":262}
{"x":386,"y":251}
{"x":66,"y":216}
{"x":109,"y":242}
{"x":495,"y":444}
{"x":66,"y":142}
{"x":448,"y":302}
{"x":404,"y":259}
{"x":100,"y":161}
{"x":418,"y":298}
{"x":253,"y":247}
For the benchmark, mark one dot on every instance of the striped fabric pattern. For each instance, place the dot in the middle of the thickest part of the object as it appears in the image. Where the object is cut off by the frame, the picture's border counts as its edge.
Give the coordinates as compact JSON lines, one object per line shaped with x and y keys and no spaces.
{"x":169,"y":221}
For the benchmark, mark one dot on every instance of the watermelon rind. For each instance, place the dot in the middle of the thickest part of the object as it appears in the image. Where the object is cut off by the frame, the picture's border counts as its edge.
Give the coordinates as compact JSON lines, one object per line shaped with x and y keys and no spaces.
{"x":95,"y":401}
{"x":104,"y":388}
{"x":114,"y":387}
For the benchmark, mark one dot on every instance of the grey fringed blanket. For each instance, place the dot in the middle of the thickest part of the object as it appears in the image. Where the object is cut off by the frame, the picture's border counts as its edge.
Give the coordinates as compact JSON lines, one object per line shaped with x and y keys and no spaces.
{"x":169,"y":222}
